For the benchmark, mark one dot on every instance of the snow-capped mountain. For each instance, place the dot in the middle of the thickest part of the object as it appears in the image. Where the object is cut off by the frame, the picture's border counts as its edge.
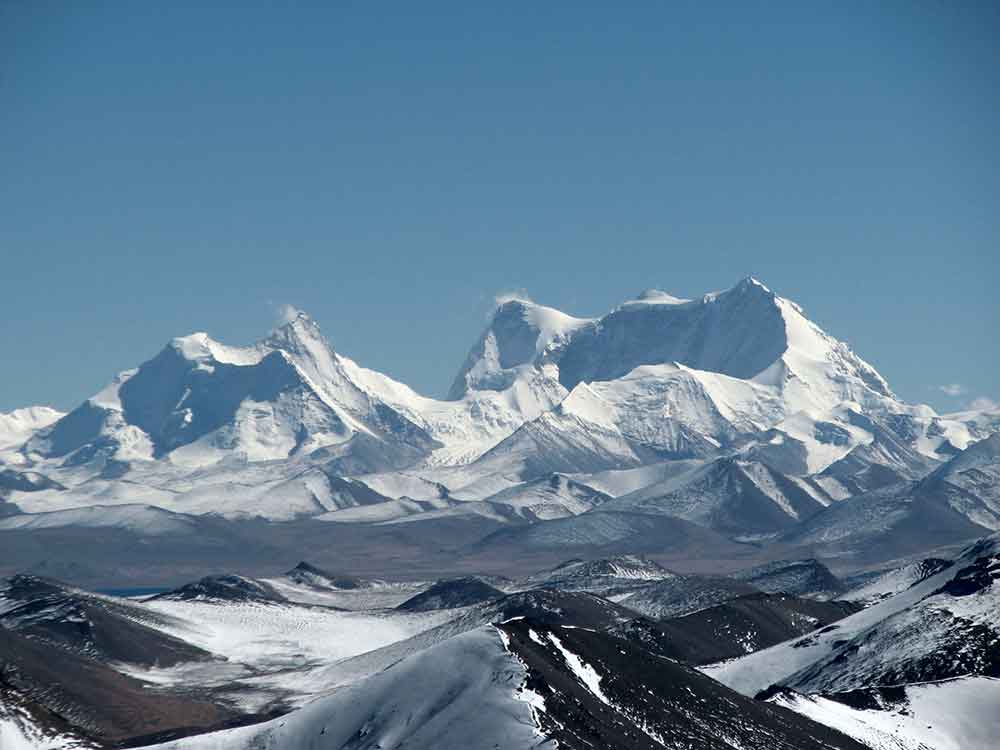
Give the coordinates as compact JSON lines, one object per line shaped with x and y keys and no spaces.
{"x":976,"y":473}
{"x":662,"y":378}
{"x":519,"y":343}
{"x":956,"y":502}
{"x":19,"y":425}
{"x":731,"y":412}
{"x":289,"y":395}
{"x":729,"y":494}
{"x":743,"y":332}
{"x":198,"y":401}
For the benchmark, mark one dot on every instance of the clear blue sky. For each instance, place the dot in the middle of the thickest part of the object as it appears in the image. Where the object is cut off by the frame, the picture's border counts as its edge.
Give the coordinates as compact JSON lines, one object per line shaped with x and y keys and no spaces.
{"x":390,"y":167}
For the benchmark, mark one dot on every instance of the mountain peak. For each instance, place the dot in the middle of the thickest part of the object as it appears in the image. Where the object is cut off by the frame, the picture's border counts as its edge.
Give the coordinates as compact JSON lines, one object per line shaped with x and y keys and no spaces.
{"x":513,"y":298}
{"x":298,"y":320}
{"x":194,"y":346}
{"x":985,"y":452}
{"x":659,"y":297}
{"x":519,"y":332}
{"x":751,"y":282}
{"x":298,"y":334}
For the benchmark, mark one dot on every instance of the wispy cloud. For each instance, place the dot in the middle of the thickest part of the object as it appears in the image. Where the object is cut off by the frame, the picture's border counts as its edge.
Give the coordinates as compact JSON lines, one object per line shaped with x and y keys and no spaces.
{"x":511,"y":295}
{"x":953,"y":389}
{"x":284,"y":313}
{"x":983,"y":404}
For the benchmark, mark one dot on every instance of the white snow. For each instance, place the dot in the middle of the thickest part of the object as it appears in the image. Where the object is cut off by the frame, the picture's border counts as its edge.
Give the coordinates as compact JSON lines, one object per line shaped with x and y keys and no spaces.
{"x":952,"y":715}
{"x":19,"y":425}
{"x":651,"y":401}
{"x":141,"y":519}
{"x":459,"y":694}
{"x":886,"y":584}
{"x":274,"y":647}
{"x":200,"y":347}
{"x":598,"y":425}
{"x":18,"y":732}
{"x":656,"y":297}
{"x":583,"y":671}
{"x":752,"y":673}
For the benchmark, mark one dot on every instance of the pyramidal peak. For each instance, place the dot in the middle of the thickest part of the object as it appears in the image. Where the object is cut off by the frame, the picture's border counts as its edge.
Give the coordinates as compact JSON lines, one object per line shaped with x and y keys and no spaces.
{"x":751,"y":282}
{"x":297,"y":332}
{"x":743,"y":286}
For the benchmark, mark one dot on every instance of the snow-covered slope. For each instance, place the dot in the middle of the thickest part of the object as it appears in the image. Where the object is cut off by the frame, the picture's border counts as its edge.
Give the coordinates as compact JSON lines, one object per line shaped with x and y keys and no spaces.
{"x":19,"y":425}
{"x":459,"y":694}
{"x":597,"y":691}
{"x":731,"y":495}
{"x":524,"y":684}
{"x":975,"y":471}
{"x":888,"y":583}
{"x":745,"y":332}
{"x":958,"y":714}
{"x":674,"y":409}
{"x":942,"y":627}
{"x":546,"y":498}
{"x":958,"y":501}
{"x":953,"y":632}
{"x":21,"y":727}
{"x":521,"y":338}
{"x":554,"y":496}
{"x":651,"y":413}
{"x":142,"y":519}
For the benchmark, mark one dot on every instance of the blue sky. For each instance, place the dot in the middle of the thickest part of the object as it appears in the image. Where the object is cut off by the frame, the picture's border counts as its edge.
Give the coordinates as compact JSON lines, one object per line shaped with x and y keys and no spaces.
{"x":389,"y":168}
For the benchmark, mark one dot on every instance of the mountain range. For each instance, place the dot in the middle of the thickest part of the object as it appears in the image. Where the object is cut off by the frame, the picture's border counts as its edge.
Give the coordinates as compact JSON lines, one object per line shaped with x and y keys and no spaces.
{"x":617,"y":652}
{"x":729,"y":423}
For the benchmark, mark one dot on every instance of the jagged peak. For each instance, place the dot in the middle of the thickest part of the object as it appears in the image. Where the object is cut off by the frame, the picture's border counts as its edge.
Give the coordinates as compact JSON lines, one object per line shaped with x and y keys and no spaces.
{"x":746,"y":285}
{"x":299,"y":320}
{"x":751,"y":282}
{"x":296,"y":329}
{"x":518,"y":333}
